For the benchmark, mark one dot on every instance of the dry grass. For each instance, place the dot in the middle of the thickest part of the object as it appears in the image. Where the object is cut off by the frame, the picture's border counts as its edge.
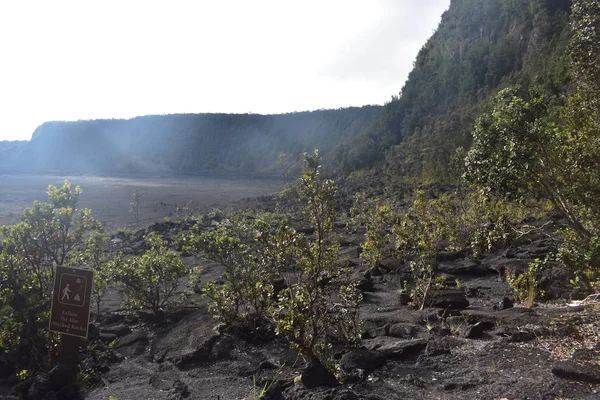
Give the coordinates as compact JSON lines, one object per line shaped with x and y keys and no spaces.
{"x":575,"y":336}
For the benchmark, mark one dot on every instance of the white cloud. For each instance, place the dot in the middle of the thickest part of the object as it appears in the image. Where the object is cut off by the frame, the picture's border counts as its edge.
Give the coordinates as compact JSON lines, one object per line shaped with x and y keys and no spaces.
{"x":113,"y":59}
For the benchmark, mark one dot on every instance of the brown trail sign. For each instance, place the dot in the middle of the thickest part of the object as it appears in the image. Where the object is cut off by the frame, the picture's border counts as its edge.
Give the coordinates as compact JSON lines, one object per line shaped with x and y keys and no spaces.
{"x":70,"y":312}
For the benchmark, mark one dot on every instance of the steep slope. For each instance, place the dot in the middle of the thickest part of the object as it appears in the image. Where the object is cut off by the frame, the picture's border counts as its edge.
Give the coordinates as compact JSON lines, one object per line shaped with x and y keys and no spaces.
{"x":480,"y":46}
{"x":188,"y":143}
{"x":10,"y":153}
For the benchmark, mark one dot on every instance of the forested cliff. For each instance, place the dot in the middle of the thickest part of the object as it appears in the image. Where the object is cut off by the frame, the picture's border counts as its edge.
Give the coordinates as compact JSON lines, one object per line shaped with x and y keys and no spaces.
{"x":479,"y":47}
{"x":184,"y":143}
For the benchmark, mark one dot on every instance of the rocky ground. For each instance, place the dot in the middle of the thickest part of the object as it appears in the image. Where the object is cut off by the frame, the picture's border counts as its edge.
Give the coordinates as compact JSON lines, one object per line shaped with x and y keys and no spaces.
{"x":472,"y":343}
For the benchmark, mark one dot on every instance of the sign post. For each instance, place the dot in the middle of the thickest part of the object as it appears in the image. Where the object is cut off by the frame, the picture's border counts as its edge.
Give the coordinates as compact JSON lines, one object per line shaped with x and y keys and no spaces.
{"x":70,"y":312}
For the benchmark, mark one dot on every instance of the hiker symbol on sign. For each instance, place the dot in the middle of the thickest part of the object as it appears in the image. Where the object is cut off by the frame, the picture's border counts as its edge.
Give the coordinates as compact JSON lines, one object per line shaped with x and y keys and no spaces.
{"x":72,"y":289}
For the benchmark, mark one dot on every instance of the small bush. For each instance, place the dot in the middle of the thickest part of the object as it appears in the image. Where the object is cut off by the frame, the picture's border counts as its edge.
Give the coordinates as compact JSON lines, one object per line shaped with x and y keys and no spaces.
{"x":315,"y":304}
{"x":526,"y":284}
{"x":47,"y":234}
{"x":151,"y":280}
{"x":424,"y":284}
{"x":319,"y":302}
{"x":581,"y":257}
{"x":377,"y":216}
{"x":456,"y":221}
{"x":347,"y":325}
{"x":92,"y":257}
{"x":254,"y":251}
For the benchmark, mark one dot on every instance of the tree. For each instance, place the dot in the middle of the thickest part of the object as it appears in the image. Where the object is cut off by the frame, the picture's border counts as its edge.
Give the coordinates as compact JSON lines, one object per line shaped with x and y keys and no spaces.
{"x":517,"y":153}
{"x":583,"y":48}
{"x":524,"y":148}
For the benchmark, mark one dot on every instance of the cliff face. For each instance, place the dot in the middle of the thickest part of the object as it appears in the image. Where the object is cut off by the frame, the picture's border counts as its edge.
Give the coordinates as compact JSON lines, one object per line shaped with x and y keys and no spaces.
{"x":10,"y":154}
{"x":187,"y":143}
{"x":479,"y":47}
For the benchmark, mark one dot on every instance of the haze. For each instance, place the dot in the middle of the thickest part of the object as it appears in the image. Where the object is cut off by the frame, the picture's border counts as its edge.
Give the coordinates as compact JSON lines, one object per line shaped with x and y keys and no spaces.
{"x":71,"y":60}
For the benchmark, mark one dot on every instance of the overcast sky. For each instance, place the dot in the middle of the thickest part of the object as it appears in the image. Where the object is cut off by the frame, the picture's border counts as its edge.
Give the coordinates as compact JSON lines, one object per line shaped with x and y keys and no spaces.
{"x":70,"y":60}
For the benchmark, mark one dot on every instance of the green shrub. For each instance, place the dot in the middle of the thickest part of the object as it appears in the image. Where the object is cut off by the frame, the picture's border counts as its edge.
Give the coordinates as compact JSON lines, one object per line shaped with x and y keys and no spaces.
{"x":530,"y":145}
{"x":347,"y":325}
{"x":284,"y":165}
{"x":526,"y":285}
{"x":47,"y":235}
{"x":92,"y":257}
{"x":254,"y":251}
{"x":581,"y":257}
{"x":151,"y":280}
{"x":424,"y":284}
{"x":304,"y":312}
{"x":376,"y":215}
{"x":456,"y":221}
{"x":185,"y":210}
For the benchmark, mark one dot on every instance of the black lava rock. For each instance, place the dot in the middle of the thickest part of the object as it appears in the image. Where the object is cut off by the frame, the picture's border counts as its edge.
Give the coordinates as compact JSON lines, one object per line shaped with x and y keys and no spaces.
{"x":475,"y":331}
{"x":59,"y":376}
{"x":450,"y":298}
{"x":39,"y":387}
{"x":316,"y":375}
{"x":366,"y":360}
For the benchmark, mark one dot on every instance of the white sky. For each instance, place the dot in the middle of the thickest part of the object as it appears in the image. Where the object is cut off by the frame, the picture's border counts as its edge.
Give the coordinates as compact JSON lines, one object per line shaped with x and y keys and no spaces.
{"x":70,"y":60}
